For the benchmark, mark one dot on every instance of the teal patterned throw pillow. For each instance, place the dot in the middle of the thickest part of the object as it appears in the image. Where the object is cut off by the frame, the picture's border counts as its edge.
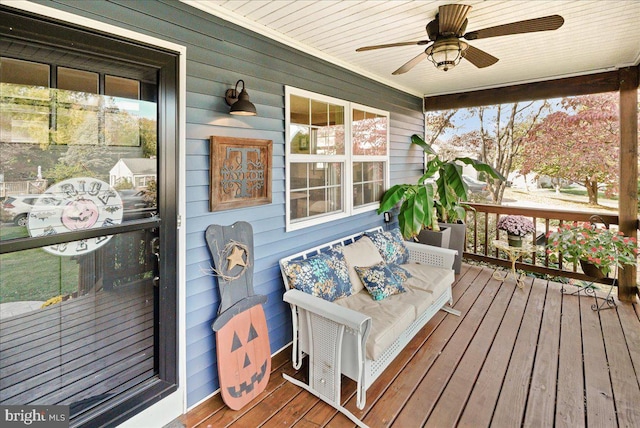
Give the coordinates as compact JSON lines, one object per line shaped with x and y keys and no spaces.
{"x":380,"y":281}
{"x":325,"y":275}
{"x":390,"y":245}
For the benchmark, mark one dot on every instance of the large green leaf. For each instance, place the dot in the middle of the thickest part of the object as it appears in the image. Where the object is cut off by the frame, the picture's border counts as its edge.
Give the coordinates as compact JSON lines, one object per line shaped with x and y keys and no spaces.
{"x":415,"y":212}
{"x":452,"y":181}
{"x":482,"y":167}
{"x":392,"y":196}
{"x":417,"y":140}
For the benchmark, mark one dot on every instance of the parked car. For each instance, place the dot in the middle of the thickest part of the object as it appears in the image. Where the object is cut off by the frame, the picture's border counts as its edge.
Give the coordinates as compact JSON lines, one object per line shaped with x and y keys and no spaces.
{"x":16,"y":208}
{"x":475,"y":186}
{"x":135,"y":206}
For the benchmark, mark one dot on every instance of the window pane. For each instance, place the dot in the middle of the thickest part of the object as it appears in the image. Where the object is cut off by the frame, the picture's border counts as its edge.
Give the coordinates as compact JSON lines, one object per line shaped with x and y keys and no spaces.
{"x":299,"y":110}
{"x":121,"y":87}
{"x":369,"y":133}
{"x":77,"y":80}
{"x":325,"y":136}
{"x":368,"y":182}
{"x":91,"y":138}
{"x":77,"y":330}
{"x":299,"y":143}
{"x":25,"y":103}
{"x":319,"y":113}
{"x":24,"y":73}
{"x":317,"y":188}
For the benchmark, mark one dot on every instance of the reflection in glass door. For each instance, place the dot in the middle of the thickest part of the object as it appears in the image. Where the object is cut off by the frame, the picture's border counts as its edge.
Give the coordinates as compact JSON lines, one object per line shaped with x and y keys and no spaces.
{"x":79,"y":228}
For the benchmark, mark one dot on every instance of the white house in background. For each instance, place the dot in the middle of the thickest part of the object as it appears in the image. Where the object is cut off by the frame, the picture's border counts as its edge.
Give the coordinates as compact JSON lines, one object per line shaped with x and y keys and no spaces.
{"x":138,"y":171}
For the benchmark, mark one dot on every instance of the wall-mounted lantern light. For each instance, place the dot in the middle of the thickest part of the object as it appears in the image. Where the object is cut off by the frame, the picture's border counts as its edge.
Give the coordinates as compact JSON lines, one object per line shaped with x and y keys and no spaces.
{"x":239,"y":102}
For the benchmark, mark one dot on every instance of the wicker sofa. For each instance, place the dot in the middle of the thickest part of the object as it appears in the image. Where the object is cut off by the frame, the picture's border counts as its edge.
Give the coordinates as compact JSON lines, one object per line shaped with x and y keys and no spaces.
{"x":346,"y":321}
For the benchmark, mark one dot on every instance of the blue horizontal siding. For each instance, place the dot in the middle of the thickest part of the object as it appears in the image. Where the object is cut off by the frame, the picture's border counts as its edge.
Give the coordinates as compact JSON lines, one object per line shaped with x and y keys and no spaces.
{"x":218,"y":54}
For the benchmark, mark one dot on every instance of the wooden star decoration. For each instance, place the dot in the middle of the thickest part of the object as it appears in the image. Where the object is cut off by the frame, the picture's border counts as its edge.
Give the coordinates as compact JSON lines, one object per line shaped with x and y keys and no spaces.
{"x":236,"y":258}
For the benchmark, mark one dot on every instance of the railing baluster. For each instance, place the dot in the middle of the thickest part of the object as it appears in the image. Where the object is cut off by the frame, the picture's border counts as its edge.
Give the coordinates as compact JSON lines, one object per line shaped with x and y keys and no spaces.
{"x":548,"y":216}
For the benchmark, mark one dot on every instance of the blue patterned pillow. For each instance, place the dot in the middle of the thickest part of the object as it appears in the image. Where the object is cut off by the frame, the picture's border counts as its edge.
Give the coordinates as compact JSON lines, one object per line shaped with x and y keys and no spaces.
{"x":390,"y":245}
{"x":380,"y":281}
{"x":400,"y":272}
{"x":325,"y":275}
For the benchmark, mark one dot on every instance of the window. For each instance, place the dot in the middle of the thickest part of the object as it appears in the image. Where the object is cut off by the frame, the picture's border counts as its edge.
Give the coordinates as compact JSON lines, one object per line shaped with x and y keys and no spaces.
{"x":337,"y":158}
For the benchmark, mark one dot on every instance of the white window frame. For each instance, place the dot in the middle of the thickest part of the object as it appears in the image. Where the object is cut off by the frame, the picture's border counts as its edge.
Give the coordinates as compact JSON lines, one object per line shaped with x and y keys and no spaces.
{"x":369,"y":158}
{"x":347,"y":160}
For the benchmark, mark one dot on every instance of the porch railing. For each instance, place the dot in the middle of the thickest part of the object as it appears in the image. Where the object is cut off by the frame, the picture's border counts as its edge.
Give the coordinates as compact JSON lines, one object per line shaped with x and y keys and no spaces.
{"x":482,"y":231}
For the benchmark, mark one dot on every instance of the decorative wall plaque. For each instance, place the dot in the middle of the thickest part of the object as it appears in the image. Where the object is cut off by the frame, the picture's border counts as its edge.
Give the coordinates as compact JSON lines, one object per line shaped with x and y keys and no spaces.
{"x":240,"y":172}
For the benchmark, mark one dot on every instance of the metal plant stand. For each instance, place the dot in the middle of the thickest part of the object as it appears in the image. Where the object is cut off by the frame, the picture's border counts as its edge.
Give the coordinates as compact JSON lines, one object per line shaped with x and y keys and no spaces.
{"x":590,"y":290}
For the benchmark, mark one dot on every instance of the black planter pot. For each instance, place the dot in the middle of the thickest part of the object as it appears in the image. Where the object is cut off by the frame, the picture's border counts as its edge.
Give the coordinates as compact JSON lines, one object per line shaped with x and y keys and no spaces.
{"x":591,"y":270}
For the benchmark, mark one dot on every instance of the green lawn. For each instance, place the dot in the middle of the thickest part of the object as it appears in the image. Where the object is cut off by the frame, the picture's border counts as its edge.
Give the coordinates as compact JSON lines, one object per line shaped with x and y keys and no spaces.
{"x":34,"y":274}
{"x":583,"y":192}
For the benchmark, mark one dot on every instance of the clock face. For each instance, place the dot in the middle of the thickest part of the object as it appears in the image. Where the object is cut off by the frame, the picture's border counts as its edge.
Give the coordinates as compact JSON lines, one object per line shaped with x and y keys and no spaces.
{"x":72,"y":205}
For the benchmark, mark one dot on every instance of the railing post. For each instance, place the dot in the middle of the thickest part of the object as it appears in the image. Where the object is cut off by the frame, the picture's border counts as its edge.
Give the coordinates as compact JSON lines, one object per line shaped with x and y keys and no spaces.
{"x":628,"y":200}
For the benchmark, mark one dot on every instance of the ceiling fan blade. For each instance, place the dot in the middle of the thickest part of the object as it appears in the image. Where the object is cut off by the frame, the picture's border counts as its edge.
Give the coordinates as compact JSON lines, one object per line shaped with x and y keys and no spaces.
{"x":546,"y":23}
{"x":452,"y":17}
{"x":392,"y":45}
{"x":410,"y":64}
{"x":479,"y":58}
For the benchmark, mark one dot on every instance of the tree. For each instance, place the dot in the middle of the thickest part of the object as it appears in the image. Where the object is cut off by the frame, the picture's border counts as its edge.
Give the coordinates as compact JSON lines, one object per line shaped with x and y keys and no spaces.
{"x":578,"y":143}
{"x":496,"y":139}
{"x":503,"y":130}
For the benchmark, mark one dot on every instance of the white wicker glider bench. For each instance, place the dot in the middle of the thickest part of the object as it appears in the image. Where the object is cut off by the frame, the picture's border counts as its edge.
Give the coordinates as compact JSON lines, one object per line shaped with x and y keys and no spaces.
{"x":356,"y":302}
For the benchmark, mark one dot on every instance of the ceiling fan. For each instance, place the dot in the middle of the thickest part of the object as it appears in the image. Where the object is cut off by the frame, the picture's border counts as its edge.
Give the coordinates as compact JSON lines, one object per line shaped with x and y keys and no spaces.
{"x":445,"y":49}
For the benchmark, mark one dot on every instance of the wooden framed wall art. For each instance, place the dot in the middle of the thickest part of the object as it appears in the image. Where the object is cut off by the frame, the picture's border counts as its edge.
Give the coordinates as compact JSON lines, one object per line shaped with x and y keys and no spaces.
{"x":240,"y":172}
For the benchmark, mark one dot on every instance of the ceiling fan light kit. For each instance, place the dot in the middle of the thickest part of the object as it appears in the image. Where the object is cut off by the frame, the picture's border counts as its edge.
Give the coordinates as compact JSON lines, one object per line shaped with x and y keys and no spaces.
{"x":444,"y":47}
{"x":447,"y":52}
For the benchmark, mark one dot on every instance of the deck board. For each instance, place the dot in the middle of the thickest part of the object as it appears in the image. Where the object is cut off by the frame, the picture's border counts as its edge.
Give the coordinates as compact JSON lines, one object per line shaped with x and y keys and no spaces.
{"x":513,"y":358}
{"x":570,"y":391}
{"x":540,"y":410}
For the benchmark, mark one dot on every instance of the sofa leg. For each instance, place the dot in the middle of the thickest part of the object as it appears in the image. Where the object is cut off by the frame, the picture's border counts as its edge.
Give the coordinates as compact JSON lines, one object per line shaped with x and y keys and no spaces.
{"x":334,"y":404}
{"x":452,"y":311}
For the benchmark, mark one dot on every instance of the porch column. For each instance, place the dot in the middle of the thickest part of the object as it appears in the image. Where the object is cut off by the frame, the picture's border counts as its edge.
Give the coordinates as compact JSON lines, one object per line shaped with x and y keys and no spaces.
{"x":628,"y":200}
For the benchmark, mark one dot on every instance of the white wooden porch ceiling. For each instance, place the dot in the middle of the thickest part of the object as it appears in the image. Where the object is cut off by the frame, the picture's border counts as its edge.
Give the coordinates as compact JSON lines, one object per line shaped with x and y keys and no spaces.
{"x":596,"y":36}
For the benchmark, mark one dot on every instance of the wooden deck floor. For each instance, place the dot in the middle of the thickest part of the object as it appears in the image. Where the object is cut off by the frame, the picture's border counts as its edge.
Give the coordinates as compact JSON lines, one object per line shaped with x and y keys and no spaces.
{"x":516,"y":357}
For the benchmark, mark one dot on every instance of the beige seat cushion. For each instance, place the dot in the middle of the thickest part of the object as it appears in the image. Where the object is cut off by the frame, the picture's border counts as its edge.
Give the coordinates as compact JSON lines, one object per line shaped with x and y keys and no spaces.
{"x":389,"y":317}
{"x":429,"y":278}
{"x":362,"y":253}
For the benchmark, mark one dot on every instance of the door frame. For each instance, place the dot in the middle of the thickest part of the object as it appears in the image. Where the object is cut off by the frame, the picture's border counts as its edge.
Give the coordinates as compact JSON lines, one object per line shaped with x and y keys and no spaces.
{"x":174,"y":404}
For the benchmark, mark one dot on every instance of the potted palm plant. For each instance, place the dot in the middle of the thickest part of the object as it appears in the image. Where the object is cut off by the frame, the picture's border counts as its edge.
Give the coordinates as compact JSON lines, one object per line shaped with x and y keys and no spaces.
{"x":426,"y":207}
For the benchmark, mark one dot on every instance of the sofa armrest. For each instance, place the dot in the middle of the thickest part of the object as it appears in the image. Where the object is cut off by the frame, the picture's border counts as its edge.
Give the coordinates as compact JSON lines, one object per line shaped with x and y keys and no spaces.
{"x":430,"y":255}
{"x":348,"y":317}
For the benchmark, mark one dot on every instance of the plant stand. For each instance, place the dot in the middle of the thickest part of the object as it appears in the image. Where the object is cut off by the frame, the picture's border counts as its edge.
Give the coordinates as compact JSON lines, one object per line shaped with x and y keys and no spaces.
{"x":590,"y":290}
{"x":514,"y":254}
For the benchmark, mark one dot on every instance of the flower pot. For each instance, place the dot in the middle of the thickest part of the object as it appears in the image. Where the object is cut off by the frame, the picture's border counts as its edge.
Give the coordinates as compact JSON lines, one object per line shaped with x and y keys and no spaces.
{"x":514,"y":240}
{"x":437,"y":239}
{"x":456,"y":241}
{"x":591,"y":270}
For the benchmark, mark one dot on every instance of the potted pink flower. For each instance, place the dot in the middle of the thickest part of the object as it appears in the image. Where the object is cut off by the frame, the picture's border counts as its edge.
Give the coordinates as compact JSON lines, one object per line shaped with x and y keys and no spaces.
{"x":585,"y":243}
{"x":517,"y":227}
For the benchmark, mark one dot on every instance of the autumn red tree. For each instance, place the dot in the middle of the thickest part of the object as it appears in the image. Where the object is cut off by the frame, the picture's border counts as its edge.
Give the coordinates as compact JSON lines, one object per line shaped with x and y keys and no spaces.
{"x":578,"y":143}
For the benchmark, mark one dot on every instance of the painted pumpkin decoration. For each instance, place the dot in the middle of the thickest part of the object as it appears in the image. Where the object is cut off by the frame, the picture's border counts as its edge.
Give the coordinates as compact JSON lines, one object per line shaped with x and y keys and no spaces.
{"x":244,"y":357}
{"x":80,"y":214}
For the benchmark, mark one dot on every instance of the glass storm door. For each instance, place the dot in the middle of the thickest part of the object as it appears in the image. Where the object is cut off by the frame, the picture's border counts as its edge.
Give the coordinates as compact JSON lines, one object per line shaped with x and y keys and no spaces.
{"x":86,"y":215}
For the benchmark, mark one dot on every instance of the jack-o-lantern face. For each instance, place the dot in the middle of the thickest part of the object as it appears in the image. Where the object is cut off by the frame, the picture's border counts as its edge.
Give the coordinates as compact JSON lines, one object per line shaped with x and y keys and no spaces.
{"x":80,"y":214}
{"x":244,"y":357}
